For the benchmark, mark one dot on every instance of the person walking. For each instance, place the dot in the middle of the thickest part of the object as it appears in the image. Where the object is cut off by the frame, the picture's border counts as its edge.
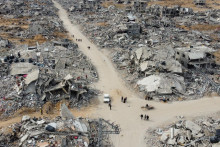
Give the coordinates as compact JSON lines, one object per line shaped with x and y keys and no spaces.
{"x":122,"y":99}
{"x":147,"y":105}
{"x":41,"y":111}
{"x":19,"y":55}
{"x":110,"y":106}
{"x":125,"y":99}
{"x":147,"y":117}
{"x":141,"y":116}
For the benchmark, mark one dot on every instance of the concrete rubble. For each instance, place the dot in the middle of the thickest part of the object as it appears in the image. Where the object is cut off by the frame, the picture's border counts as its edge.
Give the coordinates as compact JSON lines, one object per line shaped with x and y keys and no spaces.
{"x":146,"y":40}
{"x":38,"y":76}
{"x":199,"y":132}
{"x":55,"y":132}
{"x":39,"y":63}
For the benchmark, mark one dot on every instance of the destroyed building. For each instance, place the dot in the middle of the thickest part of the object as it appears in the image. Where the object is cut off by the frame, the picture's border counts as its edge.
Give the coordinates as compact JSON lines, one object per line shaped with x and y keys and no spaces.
{"x":202,"y":131}
{"x":35,"y":66}
{"x":173,"y":11}
{"x":134,"y":29}
{"x":195,"y":56}
{"x":86,"y":5}
{"x":49,"y":72}
{"x":140,"y":6}
{"x":199,"y":2}
{"x":27,"y":22}
{"x":60,"y":131}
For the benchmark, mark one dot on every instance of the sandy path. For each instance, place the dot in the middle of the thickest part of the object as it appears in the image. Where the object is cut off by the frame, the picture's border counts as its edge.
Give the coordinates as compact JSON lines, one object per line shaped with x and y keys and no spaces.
{"x":128,"y":115}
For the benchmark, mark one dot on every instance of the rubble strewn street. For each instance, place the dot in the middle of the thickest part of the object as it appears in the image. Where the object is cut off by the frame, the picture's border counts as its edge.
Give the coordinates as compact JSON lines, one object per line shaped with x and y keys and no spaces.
{"x":177,"y":44}
{"x":73,"y":71}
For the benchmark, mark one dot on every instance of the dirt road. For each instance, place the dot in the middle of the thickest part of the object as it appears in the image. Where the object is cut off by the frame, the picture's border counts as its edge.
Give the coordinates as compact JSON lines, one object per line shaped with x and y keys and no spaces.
{"x":128,"y":115}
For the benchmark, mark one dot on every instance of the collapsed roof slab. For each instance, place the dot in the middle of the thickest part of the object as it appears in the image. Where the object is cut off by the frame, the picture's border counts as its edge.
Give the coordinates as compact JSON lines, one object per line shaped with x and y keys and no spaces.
{"x":22,"y":68}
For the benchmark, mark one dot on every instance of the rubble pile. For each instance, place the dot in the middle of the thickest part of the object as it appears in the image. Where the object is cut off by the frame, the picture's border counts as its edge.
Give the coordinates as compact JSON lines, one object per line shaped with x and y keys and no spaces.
{"x":26,"y":22}
{"x":114,"y":27}
{"x":60,"y":131}
{"x":176,"y":45}
{"x":38,"y":61}
{"x":200,"y":132}
{"x":52,"y":71}
{"x":158,"y":71}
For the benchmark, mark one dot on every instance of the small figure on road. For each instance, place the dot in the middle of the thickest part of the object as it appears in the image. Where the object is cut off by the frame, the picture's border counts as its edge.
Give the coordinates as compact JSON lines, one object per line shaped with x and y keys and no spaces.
{"x":73,"y":36}
{"x":110,"y":106}
{"x":141,"y":116}
{"x":88,"y":47}
{"x":76,"y":39}
{"x":83,"y":69}
{"x":122,"y":99}
{"x":19,"y":55}
{"x":147,"y":117}
{"x":147,"y":105}
{"x":125,"y":99}
{"x":86,"y":76}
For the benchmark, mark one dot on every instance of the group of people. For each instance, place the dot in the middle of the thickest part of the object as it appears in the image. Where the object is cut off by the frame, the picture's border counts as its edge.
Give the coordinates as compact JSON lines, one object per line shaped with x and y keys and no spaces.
{"x":146,"y":117}
{"x":124,"y":100}
{"x":79,"y":40}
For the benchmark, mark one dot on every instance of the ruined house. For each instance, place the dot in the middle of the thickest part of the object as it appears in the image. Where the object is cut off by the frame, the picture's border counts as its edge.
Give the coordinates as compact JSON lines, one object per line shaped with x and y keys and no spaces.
{"x":133,"y":29}
{"x":168,"y":11}
{"x":171,"y":11}
{"x":140,"y":6}
{"x":89,"y":5}
{"x":92,"y":4}
{"x":199,"y":2}
{"x":201,"y":56}
{"x":185,"y":11}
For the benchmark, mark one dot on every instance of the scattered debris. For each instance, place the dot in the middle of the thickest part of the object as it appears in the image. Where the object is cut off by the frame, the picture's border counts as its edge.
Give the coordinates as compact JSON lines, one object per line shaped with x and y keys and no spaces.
{"x":57,"y":132}
{"x":200,"y":132}
{"x":174,"y":43}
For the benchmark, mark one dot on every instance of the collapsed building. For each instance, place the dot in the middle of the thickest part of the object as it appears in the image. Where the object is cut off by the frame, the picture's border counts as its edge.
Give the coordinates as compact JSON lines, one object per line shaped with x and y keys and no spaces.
{"x":47,"y":73}
{"x":199,"y":2}
{"x":198,"y":132}
{"x":38,"y":62}
{"x":173,"y":11}
{"x":28,"y":22}
{"x":86,"y":5}
{"x":140,"y":6}
{"x":196,"y":56}
{"x":64,"y":130}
